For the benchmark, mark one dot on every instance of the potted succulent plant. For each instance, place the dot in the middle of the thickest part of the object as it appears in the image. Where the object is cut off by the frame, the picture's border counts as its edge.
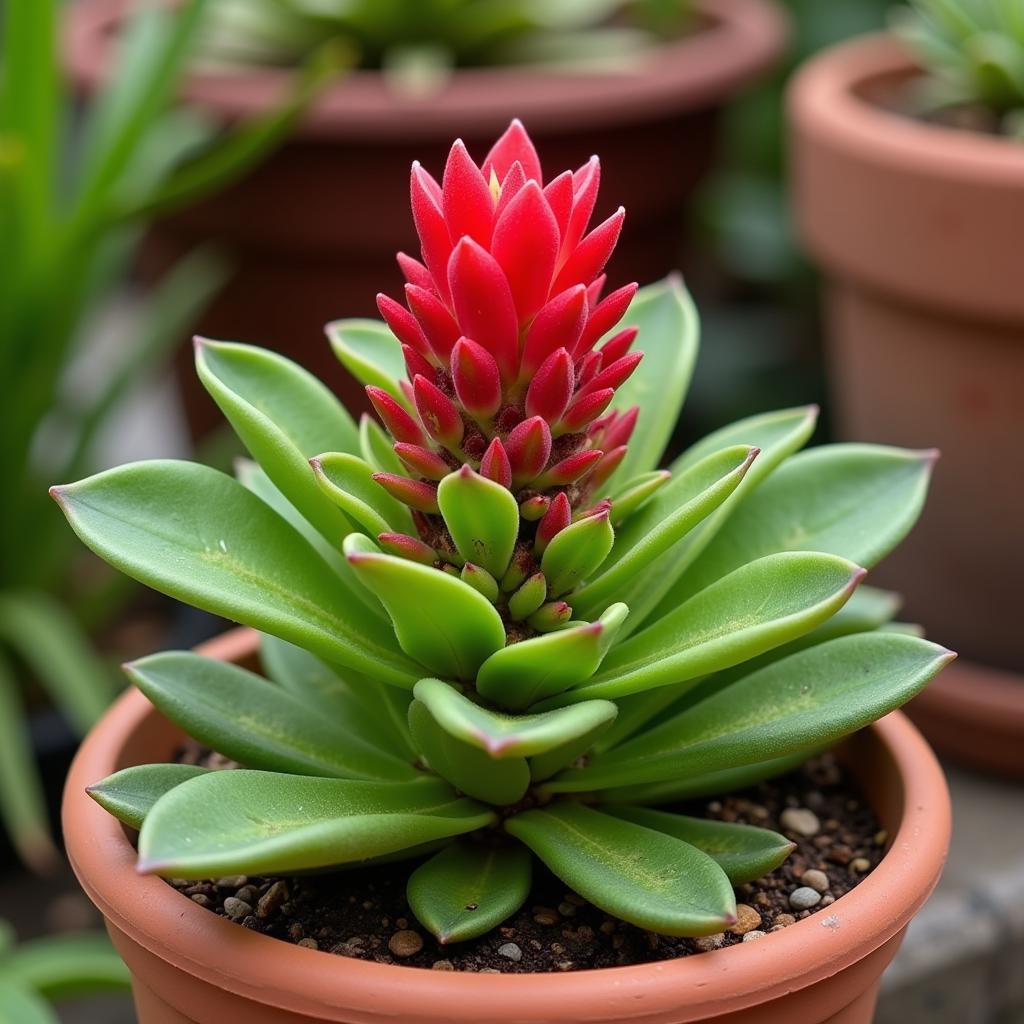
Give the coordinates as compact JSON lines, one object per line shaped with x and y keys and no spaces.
{"x":909,"y":189}
{"x":314,"y":230}
{"x":496,"y":637}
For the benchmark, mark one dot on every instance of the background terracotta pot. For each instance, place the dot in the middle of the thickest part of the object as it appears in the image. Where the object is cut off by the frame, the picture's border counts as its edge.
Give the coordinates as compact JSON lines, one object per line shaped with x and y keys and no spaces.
{"x":314,"y":231}
{"x":191,"y":966}
{"x":918,"y":229}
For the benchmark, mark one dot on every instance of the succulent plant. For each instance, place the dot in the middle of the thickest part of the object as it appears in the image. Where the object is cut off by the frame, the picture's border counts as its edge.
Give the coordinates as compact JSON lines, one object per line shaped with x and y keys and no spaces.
{"x":495,"y":630}
{"x":973,"y":52}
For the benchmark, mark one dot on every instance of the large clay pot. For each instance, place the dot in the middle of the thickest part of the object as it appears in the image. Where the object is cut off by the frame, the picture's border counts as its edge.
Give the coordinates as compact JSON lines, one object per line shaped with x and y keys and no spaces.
{"x":191,"y":967}
{"x":314,"y":232}
{"x":918,"y":229}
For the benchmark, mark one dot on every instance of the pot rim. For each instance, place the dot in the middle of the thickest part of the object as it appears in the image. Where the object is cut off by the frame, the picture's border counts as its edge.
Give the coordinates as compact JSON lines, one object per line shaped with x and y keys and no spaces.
{"x":826,"y":100}
{"x":745,"y":37}
{"x":271,"y":971}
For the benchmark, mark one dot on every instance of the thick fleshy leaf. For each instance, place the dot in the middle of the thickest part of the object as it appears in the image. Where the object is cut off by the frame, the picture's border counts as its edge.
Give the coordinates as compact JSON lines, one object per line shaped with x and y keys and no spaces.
{"x":669,"y":331}
{"x":130,"y":794}
{"x":810,"y":699}
{"x":347,"y":481}
{"x":576,"y":552}
{"x":245,"y":717}
{"x":372,"y":354}
{"x":262,"y":823}
{"x":468,"y":889}
{"x":648,"y":878}
{"x":465,"y":766}
{"x":440,"y":621}
{"x":375,"y":446}
{"x":757,"y":607}
{"x":64,"y":967}
{"x":522,"y":674}
{"x":503,"y":736}
{"x":743,"y":852}
{"x":482,"y":517}
{"x":652,"y":531}
{"x":853,"y":500}
{"x":284,"y":416}
{"x":24,"y":1006}
{"x":199,"y":536}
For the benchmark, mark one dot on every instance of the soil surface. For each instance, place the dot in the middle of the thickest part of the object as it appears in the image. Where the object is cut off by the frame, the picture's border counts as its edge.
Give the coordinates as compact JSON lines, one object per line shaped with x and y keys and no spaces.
{"x":363,"y":912}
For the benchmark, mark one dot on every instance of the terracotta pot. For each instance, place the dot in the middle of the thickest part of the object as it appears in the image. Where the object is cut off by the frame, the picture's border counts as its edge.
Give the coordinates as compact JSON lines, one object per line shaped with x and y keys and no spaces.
{"x":918,"y":229}
{"x":191,"y":966}
{"x":314,"y":231}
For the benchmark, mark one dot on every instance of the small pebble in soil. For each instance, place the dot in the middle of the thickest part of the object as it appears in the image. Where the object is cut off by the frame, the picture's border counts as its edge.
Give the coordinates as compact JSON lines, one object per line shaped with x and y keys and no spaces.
{"x":860,"y":864}
{"x":747,"y":919}
{"x":405,"y":943}
{"x":237,"y":909}
{"x":815,"y":879}
{"x":800,"y":821}
{"x":804,"y":898}
{"x":510,"y":951}
{"x":752,"y":935}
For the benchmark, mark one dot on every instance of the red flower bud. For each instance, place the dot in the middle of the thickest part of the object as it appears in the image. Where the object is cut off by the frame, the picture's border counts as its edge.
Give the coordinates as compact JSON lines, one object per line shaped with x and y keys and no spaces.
{"x":618,"y":345}
{"x":571,"y":469}
{"x":402,"y":323}
{"x":605,"y":315}
{"x":526,"y":246}
{"x":513,"y":145}
{"x":585,"y":409}
{"x":619,"y":429}
{"x":495,"y":465}
{"x":438,"y":412}
{"x":476,"y":378}
{"x":398,"y":422}
{"x":414,"y":493}
{"x":551,"y":388}
{"x":509,"y":189}
{"x":416,"y":364}
{"x":610,"y":462}
{"x":585,"y":183}
{"x":558,"y":193}
{"x":437,"y":324}
{"x":534,"y":508}
{"x":404,"y":546}
{"x":587,"y":369}
{"x":592,"y":253}
{"x":466,"y":198}
{"x":414,"y":272}
{"x":613,"y":376}
{"x":556,"y":519}
{"x":435,"y":242}
{"x":529,"y":448}
{"x":558,"y":325}
{"x":422,"y":460}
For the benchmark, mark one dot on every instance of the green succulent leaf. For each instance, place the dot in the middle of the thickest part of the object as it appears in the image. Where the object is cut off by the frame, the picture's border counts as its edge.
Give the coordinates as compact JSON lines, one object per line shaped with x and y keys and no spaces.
{"x":440,"y":621}
{"x":375,"y":447}
{"x":743,"y":852}
{"x":648,"y":878}
{"x":805,"y":701}
{"x":522,"y":674}
{"x":755,"y":608}
{"x":466,"y":890}
{"x":854,"y":500}
{"x":347,"y":481}
{"x":61,"y":967}
{"x":371,"y":353}
{"x":635,"y":493}
{"x":482,"y":517}
{"x":466,"y":766}
{"x":245,"y":717}
{"x":199,"y":536}
{"x":130,"y":794}
{"x":650,"y":533}
{"x":669,"y":326}
{"x":263,"y":823}
{"x":576,"y":552}
{"x":284,"y":416}
{"x":24,"y":1006}
{"x":502,"y":736}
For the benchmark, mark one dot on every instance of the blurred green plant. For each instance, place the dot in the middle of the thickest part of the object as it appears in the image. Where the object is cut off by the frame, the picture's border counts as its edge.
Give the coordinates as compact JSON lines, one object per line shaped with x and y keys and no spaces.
{"x":74,"y":195}
{"x":418,"y":43}
{"x":973,"y":53}
{"x":38,"y":972}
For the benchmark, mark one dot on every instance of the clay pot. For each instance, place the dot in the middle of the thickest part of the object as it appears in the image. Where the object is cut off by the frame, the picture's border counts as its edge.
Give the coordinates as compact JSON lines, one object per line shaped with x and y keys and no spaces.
{"x":918,"y":229}
{"x":191,"y":966}
{"x":314,"y":232}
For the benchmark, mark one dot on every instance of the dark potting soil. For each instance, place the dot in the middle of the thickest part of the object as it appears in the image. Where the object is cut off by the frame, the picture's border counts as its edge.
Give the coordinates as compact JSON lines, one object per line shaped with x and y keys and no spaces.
{"x":363,"y":912}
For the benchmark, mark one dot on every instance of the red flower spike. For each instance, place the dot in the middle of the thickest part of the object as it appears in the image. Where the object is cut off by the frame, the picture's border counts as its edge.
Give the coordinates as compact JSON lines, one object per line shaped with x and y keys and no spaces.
{"x":435,"y":242}
{"x":400,"y":425}
{"x":618,"y":345}
{"x":466,"y":199}
{"x":495,"y":465}
{"x":414,"y":493}
{"x":594,"y":290}
{"x":422,"y":461}
{"x":620,"y":428}
{"x":615,"y":375}
{"x":439,"y":414}
{"x":438,"y":326}
{"x":513,"y":182}
{"x":416,"y":364}
{"x":529,"y":448}
{"x":602,"y":508}
{"x":476,"y":378}
{"x":414,"y":272}
{"x":483,"y":304}
{"x":571,"y":469}
{"x":408,"y":392}
{"x":556,"y":519}
{"x":584,"y":410}
{"x":526,"y":246}
{"x":588,"y":368}
{"x":404,"y":546}
{"x":604,"y":316}
{"x":558,"y":193}
{"x":513,"y":145}
{"x":558,"y":325}
{"x":592,"y":253}
{"x":610,"y":462}
{"x":585,"y":183}
{"x":534,"y":508}
{"x":402,"y":323}
{"x":551,"y":389}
